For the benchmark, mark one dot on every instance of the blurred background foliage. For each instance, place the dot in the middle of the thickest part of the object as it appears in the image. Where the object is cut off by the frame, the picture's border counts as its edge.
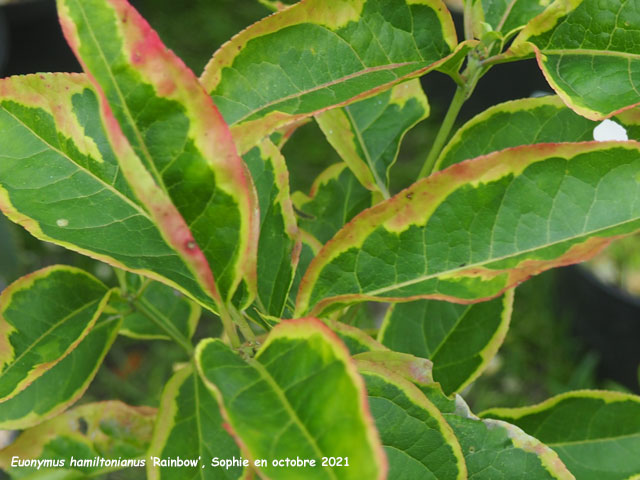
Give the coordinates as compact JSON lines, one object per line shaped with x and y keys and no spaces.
{"x":540,"y":357}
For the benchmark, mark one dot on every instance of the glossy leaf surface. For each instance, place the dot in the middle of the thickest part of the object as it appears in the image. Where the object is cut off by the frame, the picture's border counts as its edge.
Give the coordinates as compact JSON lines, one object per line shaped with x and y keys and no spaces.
{"x":60,"y":386}
{"x":43,"y":317}
{"x":278,"y":248}
{"x":593,"y":432}
{"x":506,"y":16}
{"x":588,"y":53}
{"x":417,"y":440}
{"x":111,"y":430}
{"x":300,"y":386}
{"x":479,"y":227}
{"x":316,"y":55}
{"x":367,"y":134}
{"x":495,"y":450}
{"x":459,"y":339}
{"x":190,"y":427}
{"x":60,"y":179}
{"x":520,"y":122}
{"x":176,"y":133}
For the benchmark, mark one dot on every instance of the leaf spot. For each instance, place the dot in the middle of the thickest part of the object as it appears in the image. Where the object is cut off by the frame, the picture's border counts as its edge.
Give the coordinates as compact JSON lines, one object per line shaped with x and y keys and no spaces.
{"x":62,"y":222}
{"x":609,"y":130}
{"x":191,"y":245}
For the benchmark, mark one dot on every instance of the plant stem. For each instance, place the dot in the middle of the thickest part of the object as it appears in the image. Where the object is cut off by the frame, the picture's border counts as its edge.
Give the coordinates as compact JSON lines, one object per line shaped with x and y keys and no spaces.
{"x":229,"y":326}
{"x":120,"y":275}
{"x":472,"y":74}
{"x":142,"y":307}
{"x":443,"y":134}
{"x":243,"y":325}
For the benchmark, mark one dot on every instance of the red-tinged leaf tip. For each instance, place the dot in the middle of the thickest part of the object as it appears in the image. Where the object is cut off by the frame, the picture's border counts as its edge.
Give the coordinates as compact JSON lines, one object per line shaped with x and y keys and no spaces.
{"x":169,"y":78}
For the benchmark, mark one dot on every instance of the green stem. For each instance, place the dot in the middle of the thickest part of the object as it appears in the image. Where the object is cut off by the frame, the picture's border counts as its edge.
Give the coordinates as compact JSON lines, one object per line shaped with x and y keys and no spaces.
{"x":445,"y":129}
{"x":229,"y":327}
{"x":122,"y":281}
{"x":141,"y":306}
{"x":244,"y":326}
{"x":472,"y":74}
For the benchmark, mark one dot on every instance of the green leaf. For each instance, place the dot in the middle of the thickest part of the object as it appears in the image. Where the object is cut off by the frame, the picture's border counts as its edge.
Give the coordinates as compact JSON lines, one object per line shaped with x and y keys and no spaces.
{"x":111,"y":430}
{"x":418,"y":371}
{"x":495,"y":450}
{"x":505,"y":16}
{"x":520,"y":122}
{"x":588,"y":52}
{"x":279,"y":246}
{"x":60,"y":179}
{"x":43,"y":317}
{"x":367,"y":134}
{"x":190,"y":427}
{"x":596,"y":434}
{"x":61,"y":386}
{"x":318,"y":54}
{"x":268,"y":404}
{"x":354,"y":339}
{"x":479,"y":227}
{"x":309,"y":249}
{"x":195,"y":184}
{"x":336,"y":197}
{"x":275,"y":5}
{"x":417,"y":440}
{"x":177,"y":313}
{"x":459,"y":339}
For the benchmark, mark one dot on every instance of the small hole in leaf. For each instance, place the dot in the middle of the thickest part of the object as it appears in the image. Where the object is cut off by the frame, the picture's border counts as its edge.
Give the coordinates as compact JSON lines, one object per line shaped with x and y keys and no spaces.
{"x":609,"y":130}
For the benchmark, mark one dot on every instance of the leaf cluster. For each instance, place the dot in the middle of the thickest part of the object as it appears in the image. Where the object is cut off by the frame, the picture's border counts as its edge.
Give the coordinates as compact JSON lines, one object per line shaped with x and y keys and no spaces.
{"x":179,"y":183}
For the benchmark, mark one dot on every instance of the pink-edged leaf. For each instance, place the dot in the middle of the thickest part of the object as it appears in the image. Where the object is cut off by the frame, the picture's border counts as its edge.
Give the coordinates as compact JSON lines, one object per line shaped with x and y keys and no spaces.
{"x":175,"y":149}
{"x":316,"y":55}
{"x":473,"y":230}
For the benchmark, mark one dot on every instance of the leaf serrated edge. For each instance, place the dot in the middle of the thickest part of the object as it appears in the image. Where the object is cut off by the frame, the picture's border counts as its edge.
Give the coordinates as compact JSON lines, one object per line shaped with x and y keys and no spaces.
{"x":399,"y":213}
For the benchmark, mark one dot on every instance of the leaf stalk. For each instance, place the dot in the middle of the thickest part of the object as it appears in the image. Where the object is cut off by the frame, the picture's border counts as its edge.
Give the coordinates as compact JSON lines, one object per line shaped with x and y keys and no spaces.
{"x":472,"y":74}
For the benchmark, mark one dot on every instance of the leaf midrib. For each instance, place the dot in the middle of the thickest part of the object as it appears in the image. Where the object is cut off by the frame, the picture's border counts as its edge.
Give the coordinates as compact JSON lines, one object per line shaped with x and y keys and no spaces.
{"x":47,"y":332}
{"x":289,"y":408}
{"x":593,"y":440}
{"x":107,"y":185}
{"x":367,"y":155}
{"x":141,"y":143}
{"x":497,"y":259}
{"x":332,"y":83}
{"x":591,"y":52}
